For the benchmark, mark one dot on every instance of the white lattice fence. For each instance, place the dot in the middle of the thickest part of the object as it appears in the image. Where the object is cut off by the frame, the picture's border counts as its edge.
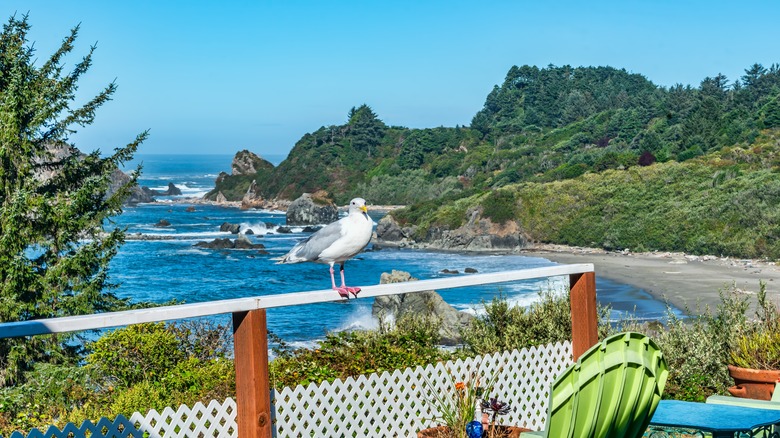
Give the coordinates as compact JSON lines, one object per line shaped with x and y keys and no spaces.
{"x":216,"y":420}
{"x":396,"y":404}
{"x":387,"y":405}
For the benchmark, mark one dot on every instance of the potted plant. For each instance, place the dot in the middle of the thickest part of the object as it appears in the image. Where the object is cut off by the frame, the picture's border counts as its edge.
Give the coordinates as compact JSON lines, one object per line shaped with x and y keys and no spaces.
{"x":459,"y":406}
{"x":755,"y":355}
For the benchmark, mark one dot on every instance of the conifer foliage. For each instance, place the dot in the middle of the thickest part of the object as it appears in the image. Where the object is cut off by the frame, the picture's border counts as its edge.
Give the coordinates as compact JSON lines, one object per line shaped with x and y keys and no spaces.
{"x":56,"y":237}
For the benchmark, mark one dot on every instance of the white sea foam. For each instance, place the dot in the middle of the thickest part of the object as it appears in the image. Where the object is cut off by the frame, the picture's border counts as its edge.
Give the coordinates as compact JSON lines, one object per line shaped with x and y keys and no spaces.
{"x":193,"y":250}
{"x":257,"y":228}
{"x":195,"y":193}
{"x":359,"y":319}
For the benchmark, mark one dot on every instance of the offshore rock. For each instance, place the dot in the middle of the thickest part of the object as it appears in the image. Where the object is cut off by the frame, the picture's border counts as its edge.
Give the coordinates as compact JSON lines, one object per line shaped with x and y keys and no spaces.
{"x":312,"y":209}
{"x":428,"y":303}
{"x":242,"y":242}
{"x":227,"y":227}
{"x":172,"y":190}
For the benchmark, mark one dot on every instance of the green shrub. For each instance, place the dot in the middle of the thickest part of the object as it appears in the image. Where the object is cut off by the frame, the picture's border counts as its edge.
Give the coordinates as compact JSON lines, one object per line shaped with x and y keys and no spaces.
{"x":136,"y":353}
{"x":412,"y":341}
{"x":504,"y":327}
{"x":49,"y":392}
{"x":406,"y":187}
{"x":500,"y":206}
{"x":697,"y":348}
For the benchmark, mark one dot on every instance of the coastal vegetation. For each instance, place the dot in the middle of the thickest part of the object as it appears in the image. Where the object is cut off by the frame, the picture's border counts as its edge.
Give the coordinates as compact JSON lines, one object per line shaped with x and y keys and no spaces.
{"x":723,"y":203}
{"x":591,"y":156}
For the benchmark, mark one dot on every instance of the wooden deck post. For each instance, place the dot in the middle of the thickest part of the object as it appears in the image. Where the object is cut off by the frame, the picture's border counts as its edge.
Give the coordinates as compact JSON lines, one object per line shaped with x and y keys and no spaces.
{"x":253,"y":392}
{"x":584,"y":320}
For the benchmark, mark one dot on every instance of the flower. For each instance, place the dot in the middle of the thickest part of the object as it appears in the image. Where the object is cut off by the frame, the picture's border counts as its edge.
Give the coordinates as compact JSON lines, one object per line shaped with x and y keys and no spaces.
{"x":495,"y":406}
{"x":457,"y":405}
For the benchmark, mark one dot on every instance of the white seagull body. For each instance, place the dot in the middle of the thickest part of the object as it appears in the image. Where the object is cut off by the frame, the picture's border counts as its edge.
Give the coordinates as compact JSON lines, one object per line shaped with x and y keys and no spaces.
{"x":337,"y":242}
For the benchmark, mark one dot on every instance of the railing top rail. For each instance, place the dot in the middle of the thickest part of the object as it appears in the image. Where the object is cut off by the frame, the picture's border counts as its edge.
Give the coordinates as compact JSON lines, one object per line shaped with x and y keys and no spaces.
{"x":183,"y":311}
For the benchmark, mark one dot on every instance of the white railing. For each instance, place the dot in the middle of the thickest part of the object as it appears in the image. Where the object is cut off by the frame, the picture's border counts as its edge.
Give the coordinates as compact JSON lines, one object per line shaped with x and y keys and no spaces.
{"x":253,"y":410}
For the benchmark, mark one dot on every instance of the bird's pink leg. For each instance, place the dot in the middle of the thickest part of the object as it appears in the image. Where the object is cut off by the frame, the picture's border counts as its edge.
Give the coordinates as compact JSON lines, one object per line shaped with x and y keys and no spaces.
{"x":353,"y":290}
{"x":343,"y":291}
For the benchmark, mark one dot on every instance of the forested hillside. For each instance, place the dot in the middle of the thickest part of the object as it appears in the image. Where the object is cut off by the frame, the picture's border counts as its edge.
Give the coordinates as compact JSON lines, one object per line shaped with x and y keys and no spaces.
{"x":546,"y":125}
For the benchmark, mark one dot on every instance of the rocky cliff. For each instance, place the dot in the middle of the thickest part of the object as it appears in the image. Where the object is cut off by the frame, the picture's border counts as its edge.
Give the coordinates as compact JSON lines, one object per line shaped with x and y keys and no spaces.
{"x":241,"y":184}
{"x":477,"y":234}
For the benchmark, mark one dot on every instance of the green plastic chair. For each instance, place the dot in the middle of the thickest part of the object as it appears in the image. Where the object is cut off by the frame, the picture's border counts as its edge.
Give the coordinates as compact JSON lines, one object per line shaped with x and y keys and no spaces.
{"x":612,"y":390}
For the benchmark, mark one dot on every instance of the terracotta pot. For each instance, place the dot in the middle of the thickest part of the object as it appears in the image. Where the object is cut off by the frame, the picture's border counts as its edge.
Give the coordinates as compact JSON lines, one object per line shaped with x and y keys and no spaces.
{"x":750,"y":383}
{"x":444,"y":432}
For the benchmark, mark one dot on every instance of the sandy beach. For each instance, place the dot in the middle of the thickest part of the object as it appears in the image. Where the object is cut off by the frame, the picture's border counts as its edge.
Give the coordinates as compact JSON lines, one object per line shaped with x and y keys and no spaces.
{"x":688,"y":282}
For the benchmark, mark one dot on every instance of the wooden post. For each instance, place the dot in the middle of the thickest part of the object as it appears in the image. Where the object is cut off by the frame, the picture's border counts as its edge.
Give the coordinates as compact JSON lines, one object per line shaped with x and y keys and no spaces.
{"x":584,"y":320}
{"x":253,"y":392}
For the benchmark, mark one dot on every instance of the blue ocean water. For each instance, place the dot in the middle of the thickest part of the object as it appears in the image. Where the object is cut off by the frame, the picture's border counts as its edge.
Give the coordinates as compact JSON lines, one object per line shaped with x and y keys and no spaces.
{"x":171,"y":267}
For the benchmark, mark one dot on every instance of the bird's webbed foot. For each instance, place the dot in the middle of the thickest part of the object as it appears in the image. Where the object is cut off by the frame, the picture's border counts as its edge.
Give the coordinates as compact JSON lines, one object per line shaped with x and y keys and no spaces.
{"x":344,"y":291}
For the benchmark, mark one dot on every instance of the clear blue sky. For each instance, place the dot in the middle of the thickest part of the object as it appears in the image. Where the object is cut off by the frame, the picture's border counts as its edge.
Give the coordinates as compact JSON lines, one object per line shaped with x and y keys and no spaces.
{"x":217,"y":77}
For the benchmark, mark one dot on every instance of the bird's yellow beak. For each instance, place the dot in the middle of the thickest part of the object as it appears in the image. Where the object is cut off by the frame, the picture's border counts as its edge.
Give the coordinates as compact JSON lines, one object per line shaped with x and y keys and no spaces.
{"x":364,"y":208}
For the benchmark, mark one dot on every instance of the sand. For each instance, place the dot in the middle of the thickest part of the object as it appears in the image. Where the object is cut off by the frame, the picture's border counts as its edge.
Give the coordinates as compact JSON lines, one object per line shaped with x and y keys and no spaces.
{"x":688,"y":282}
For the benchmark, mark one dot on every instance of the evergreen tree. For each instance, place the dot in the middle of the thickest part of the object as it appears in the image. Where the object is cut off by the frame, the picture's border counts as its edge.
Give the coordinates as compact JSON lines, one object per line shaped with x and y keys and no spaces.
{"x":54,"y":201}
{"x":365,"y":128}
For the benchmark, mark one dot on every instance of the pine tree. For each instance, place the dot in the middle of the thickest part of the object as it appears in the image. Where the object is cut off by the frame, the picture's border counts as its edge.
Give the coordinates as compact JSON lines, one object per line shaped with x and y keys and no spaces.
{"x":56,"y":204}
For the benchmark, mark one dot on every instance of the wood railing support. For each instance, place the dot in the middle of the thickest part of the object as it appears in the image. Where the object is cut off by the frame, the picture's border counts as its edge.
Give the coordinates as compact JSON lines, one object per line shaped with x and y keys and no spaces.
{"x":584,"y":318}
{"x":253,"y":391}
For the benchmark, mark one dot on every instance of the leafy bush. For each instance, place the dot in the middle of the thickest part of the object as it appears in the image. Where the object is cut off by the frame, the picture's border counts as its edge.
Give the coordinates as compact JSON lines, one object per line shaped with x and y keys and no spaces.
{"x":407,"y":187}
{"x":697,"y":348}
{"x":758,"y":350}
{"x":136,"y":353}
{"x":131,"y":369}
{"x":504,"y":327}
{"x":500,"y":206}
{"x":412,"y":341}
{"x":48,"y":393}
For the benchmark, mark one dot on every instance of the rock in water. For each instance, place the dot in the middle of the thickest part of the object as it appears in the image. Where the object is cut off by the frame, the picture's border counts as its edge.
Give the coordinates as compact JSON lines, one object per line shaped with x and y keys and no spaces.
{"x":227,"y":227}
{"x":428,"y":303}
{"x":241,"y":242}
{"x":312,"y":209}
{"x":172,"y":190}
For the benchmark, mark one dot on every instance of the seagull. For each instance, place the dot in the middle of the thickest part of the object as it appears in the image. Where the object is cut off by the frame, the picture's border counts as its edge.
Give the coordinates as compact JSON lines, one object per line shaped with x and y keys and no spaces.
{"x":337,"y":242}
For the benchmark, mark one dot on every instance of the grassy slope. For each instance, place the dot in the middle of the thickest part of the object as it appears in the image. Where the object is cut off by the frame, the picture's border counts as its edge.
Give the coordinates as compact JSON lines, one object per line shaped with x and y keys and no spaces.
{"x":724,"y":203}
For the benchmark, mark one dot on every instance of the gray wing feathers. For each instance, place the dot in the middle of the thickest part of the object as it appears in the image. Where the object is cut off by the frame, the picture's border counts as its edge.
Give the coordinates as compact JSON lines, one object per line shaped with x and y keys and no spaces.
{"x":310,"y":249}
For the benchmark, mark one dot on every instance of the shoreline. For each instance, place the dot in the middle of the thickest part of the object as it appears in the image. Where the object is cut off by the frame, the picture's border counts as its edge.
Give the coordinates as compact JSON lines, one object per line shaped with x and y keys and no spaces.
{"x":690,"y":283}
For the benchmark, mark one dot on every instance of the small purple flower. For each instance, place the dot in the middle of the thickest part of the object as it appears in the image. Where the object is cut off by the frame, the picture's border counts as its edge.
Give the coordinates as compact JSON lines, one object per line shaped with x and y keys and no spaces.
{"x":495,"y":406}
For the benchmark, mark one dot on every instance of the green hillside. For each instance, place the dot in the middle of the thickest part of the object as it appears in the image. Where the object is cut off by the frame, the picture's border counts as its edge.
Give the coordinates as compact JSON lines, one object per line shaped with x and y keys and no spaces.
{"x":587,"y":131}
{"x":725,"y":203}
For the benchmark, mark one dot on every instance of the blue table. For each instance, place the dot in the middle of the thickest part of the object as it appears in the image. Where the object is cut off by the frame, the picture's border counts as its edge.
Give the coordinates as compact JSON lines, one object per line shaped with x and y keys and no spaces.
{"x":720,"y":420}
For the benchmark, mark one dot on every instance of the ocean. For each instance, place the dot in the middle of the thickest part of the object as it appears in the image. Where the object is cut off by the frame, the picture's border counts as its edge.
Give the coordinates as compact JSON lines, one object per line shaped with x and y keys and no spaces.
{"x":166,"y":264}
